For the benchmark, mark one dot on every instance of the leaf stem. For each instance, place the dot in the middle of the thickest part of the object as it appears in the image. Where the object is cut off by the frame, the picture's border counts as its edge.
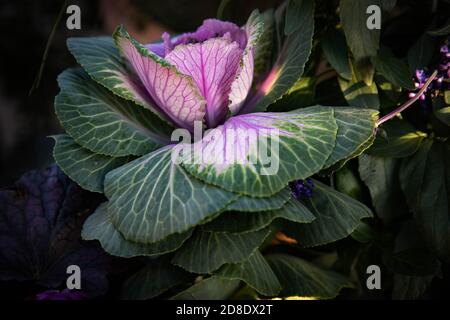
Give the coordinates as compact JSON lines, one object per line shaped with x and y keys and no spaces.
{"x":408,"y":103}
{"x":37,"y":80}
{"x":221,"y":9}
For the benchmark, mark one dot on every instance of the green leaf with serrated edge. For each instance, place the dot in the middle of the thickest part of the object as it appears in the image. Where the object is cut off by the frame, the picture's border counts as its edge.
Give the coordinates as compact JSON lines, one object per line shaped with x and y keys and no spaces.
{"x":263,"y":49}
{"x":153,"y":197}
{"x":363,"y":42}
{"x":337,"y":166}
{"x":255,"y":272}
{"x":104,"y":123}
{"x":425,"y":181}
{"x":394,"y":70}
{"x":299,"y":277}
{"x":355,"y":128}
{"x":249,"y":204}
{"x":99,"y":227}
{"x":239,"y":222}
{"x":364,"y":233}
{"x":381,"y":177}
{"x":443,"y":115}
{"x":207,"y":251}
{"x":293,"y":11}
{"x":335,"y":50}
{"x":337,"y":216}
{"x":241,"y":155}
{"x":401,"y":140}
{"x":155,"y":278}
{"x":101,"y":59}
{"x":359,"y":94}
{"x":212,"y":288}
{"x":291,"y":60}
{"x":83,"y":166}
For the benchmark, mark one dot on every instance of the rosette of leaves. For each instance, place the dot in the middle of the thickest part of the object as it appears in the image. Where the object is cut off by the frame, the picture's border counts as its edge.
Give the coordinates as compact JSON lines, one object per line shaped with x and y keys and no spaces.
{"x":211,"y":219}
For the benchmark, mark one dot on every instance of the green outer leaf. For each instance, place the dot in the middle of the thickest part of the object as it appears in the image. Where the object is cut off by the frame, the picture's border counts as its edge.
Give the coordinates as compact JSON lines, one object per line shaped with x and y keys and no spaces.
{"x":152,"y":197}
{"x":402,"y":140}
{"x":255,"y":272}
{"x":443,"y":115}
{"x":355,"y":130}
{"x":293,"y":11}
{"x":394,"y":70}
{"x":99,"y":227}
{"x":249,"y":204}
{"x":302,"y":278}
{"x":101,"y":59}
{"x":337,"y":166}
{"x":254,"y":28}
{"x":381,"y":177}
{"x":362,"y":41}
{"x":86,"y":168}
{"x":264,"y":47}
{"x":425,"y":180}
{"x":337,"y":216}
{"x":235,"y":222}
{"x":335,"y":50}
{"x":306,"y":139}
{"x":206,"y":251}
{"x":154,"y":279}
{"x":291,"y":61}
{"x":104,"y":123}
{"x":359,"y":94}
{"x":212,"y":288}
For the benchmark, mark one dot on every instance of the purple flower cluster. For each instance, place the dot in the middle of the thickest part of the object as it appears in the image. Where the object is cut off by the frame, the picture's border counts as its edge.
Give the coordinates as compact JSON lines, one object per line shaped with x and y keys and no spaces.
{"x":441,"y":82}
{"x":302,"y":189}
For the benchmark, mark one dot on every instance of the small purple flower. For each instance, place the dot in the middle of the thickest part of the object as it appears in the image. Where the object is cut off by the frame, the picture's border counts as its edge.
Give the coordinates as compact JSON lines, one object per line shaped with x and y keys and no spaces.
{"x":302,"y":189}
{"x":445,"y":50}
{"x":440,"y":83}
{"x":421,"y":77}
{"x":65,"y":294}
